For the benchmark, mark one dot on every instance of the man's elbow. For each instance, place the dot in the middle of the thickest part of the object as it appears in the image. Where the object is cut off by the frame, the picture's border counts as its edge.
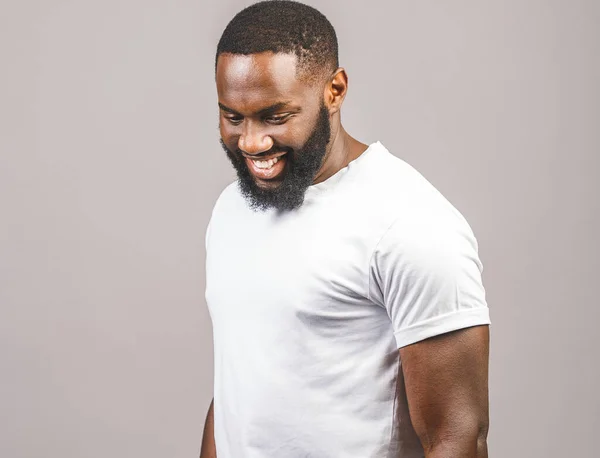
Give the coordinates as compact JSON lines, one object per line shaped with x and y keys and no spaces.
{"x":482,"y":450}
{"x":466,"y":441}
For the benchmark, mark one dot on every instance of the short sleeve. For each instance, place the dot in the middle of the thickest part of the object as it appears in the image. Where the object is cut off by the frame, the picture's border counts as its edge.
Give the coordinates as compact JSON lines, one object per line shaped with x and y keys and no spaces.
{"x":427,"y":275}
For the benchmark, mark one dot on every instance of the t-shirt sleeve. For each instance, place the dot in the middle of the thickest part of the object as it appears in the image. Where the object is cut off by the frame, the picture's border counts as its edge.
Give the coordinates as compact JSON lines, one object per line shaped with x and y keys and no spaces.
{"x":427,"y":275}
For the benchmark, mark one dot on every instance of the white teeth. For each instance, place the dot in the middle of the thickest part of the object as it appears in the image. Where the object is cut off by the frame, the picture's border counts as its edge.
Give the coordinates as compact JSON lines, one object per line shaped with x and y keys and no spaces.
{"x":266,"y":164}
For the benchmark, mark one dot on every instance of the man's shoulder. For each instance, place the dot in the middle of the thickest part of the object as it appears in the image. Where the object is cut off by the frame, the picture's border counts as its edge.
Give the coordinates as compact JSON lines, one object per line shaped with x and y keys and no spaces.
{"x":230,"y":193}
{"x":396,"y":184}
{"x":228,"y":202}
{"x":385,"y":172}
{"x":392,"y":189}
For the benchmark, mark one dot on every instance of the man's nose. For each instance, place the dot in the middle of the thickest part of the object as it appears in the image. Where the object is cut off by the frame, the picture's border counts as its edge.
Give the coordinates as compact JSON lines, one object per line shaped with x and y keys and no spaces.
{"x":254,"y":141}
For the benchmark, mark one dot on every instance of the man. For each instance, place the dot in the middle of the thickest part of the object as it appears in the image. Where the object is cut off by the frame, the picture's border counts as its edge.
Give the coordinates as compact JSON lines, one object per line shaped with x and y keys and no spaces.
{"x":345,"y":292}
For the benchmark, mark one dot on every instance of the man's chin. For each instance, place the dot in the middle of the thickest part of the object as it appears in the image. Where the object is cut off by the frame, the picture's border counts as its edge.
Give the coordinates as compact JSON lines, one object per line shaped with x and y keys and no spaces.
{"x":270,"y":194}
{"x":267,"y":185}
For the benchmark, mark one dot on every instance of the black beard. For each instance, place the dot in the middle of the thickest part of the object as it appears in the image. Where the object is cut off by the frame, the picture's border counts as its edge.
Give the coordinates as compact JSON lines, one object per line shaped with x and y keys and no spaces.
{"x":301,"y":168}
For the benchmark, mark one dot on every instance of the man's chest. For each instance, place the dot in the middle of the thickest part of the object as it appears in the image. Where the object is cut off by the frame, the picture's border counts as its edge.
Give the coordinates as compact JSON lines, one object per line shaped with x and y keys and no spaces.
{"x":315,"y":271}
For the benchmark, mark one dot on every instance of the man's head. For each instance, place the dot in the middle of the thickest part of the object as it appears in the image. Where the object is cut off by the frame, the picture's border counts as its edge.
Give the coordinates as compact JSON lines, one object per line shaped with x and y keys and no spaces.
{"x":279,"y":85}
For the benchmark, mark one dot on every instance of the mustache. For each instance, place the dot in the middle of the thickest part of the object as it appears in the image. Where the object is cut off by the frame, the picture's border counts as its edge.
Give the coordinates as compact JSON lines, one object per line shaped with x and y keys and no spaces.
{"x":273,"y":150}
{"x":267,"y":153}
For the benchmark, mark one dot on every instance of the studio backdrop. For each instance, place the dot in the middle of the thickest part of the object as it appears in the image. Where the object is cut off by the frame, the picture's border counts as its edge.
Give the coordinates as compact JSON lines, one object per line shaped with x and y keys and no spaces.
{"x":110,"y":165}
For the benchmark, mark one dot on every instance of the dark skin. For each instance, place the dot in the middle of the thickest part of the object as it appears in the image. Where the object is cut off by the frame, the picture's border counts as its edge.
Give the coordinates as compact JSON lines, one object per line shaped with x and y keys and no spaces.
{"x":447,"y":389}
{"x":264,"y":100}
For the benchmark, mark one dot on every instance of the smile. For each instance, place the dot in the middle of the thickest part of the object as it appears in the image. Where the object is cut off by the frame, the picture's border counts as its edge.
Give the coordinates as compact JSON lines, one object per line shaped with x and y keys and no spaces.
{"x":266,"y":168}
{"x":265,"y":164}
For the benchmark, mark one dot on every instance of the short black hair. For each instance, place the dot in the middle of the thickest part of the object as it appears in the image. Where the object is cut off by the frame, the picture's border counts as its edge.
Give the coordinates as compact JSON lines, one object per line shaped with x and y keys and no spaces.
{"x":283,"y":26}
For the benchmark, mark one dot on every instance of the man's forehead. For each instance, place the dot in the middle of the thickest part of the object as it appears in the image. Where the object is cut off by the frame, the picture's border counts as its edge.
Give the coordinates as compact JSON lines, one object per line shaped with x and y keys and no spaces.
{"x":262,"y":71}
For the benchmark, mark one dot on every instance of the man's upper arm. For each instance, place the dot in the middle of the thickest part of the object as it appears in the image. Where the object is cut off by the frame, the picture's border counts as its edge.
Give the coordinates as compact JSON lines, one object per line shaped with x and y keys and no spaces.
{"x":446,"y":381}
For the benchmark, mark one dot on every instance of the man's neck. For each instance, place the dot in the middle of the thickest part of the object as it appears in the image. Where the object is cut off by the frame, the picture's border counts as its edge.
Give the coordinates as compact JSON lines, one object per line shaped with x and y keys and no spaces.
{"x":343,"y":150}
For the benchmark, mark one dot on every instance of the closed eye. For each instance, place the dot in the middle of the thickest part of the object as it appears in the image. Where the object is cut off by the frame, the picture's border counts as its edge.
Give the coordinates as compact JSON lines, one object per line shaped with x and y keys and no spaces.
{"x":277,"y":119}
{"x":235,"y":120}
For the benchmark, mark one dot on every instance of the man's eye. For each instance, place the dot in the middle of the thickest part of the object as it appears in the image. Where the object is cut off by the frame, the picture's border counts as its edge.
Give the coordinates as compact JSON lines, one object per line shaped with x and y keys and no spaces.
{"x":276,"y":119}
{"x":235,"y":120}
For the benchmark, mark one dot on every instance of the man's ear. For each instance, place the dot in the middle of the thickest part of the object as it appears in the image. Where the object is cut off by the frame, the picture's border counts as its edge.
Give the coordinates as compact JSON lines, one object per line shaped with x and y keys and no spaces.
{"x":335,"y":90}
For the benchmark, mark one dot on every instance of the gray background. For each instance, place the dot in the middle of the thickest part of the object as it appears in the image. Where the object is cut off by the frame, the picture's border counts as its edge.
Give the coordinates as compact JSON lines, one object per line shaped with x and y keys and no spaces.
{"x":110,"y":164}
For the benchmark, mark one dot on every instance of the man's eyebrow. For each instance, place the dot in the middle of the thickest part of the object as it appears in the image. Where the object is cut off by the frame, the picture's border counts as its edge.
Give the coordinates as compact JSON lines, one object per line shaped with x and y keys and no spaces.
{"x":270,"y":109}
{"x":275,"y":107}
{"x":227,"y":109}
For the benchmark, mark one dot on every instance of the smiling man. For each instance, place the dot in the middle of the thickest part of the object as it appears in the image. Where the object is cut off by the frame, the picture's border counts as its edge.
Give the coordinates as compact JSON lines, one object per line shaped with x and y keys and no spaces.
{"x":349,"y":316}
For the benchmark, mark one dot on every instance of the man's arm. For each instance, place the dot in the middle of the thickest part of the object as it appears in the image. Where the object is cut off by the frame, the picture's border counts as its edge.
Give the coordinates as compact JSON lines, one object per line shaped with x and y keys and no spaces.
{"x":209,"y":449}
{"x":447,"y":389}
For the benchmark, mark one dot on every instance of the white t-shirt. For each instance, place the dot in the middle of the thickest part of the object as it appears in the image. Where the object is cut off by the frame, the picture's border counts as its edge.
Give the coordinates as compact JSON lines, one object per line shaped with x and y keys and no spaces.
{"x":310,"y":307}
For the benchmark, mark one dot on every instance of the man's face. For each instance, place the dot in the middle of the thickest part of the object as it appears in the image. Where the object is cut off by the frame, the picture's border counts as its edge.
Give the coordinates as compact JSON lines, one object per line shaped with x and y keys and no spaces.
{"x":274,"y":127}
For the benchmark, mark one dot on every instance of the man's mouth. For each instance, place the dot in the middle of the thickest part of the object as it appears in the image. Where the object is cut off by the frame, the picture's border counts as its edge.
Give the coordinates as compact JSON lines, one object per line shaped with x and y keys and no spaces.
{"x":267,"y":167}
